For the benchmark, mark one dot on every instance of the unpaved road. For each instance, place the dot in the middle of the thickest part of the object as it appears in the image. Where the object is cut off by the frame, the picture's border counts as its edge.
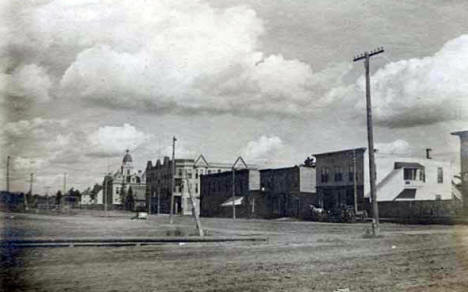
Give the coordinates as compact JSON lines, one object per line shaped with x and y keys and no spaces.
{"x":299,"y":256}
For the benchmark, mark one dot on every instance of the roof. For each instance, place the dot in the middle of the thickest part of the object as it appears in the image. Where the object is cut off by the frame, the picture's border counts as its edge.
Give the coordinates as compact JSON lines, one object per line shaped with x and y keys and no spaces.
{"x":398,"y":165}
{"x":127,"y":157}
{"x":237,"y":202}
{"x":361,"y":149}
{"x":407,"y":194}
{"x":460,"y":133}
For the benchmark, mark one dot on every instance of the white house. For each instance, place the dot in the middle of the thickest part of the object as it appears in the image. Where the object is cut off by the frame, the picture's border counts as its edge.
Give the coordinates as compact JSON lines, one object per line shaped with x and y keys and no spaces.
{"x":406,"y":179}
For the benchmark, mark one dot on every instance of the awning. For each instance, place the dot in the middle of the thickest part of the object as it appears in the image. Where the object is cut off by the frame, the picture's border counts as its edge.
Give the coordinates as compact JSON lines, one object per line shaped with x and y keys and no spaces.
{"x":237,"y":202}
{"x":407,"y":194}
{"x":408,"y":165}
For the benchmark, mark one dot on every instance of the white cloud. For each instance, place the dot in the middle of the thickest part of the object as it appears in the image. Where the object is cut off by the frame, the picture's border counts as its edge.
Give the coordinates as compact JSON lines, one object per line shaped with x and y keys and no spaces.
{"x":164,"y":56}
{"x":397,"y":147}
{"x":422,"y":91}
{"x":114,"y":140}
{"x":263,"y":149}
{"x":28,"y":164}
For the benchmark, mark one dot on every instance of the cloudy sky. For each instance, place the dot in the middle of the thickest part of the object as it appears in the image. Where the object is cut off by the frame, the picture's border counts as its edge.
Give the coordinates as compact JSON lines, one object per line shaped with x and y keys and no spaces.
{"x":274,"y":81}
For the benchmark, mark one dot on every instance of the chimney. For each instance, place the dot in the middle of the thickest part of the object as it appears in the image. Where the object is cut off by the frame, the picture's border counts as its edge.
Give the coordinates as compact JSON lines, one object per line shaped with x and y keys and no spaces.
{"x":428,"y":153}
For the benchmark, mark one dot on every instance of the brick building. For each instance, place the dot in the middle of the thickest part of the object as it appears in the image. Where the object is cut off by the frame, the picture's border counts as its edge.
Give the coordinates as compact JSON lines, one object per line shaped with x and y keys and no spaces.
{"x":340,"y":178}
{"x":268,"y":193}
{"x":216,"y":195}
{"x":286,"y":192}
{"x":187,"y":178}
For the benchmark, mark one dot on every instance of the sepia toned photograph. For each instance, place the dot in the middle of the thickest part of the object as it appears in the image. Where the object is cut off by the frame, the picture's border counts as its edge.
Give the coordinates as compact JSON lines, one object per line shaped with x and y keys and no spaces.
{"x":220,"y":145}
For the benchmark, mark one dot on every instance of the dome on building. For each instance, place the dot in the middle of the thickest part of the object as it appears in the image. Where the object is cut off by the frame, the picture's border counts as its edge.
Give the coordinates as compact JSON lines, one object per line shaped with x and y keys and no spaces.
{"x":127,"y":157}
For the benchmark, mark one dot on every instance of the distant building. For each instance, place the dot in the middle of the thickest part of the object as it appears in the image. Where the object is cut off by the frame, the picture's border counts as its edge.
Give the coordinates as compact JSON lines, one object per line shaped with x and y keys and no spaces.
{"x":268,"y":193}
{"x":340,"y":179}
{"x":118,"y":185}
{"x":286,"y":192}
{"x":216,"y":198}
{"x":187,"y":178}
{"x":463,"y":135}
{"x":417,"y":188}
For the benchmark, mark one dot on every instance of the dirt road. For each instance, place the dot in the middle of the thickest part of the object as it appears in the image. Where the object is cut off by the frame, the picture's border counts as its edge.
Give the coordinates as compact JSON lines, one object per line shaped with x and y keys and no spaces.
{"x":299,"y":256}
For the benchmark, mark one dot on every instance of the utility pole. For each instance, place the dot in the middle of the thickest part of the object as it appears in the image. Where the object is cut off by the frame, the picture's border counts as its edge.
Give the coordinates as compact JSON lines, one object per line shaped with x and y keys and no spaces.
{"x":8,"y":174}
{"x":355,"y":182}
{"x":233,"y":192}
{"x":104,"y":194}
{"x":30,"y":191}
{"x":64,"y":183}
{"x":171,"y":220}
{"x":370,"y":137}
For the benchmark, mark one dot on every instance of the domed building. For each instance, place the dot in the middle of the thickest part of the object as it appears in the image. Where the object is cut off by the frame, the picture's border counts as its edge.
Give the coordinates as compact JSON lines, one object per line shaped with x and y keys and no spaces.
{"x":125,"y":188}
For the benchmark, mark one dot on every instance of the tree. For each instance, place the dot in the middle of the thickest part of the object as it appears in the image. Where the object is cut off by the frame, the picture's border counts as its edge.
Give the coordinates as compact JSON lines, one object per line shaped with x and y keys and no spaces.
{"x":129,"y":201}
{"x":58,"y":198}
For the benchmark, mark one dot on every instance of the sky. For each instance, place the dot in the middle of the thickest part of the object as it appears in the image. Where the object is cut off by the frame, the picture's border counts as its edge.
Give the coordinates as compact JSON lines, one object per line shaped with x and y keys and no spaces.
{"x":274,"y":81}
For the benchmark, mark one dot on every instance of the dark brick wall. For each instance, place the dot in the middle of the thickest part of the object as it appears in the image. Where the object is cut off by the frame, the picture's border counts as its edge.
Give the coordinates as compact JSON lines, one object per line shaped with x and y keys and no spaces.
{"x":419,"y":209}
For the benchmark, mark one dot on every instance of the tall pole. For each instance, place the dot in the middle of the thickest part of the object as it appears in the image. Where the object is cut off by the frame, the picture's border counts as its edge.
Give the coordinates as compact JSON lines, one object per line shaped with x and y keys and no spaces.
{"x":370,"y":137}
{"x":64,"y":183}
{"x":171,"y":220}
{"x":8,"y":174}
{"x":30,"y":191}
{"x":104,"y":194}
{"x":233,"y":192}
{"x":355,"y":182}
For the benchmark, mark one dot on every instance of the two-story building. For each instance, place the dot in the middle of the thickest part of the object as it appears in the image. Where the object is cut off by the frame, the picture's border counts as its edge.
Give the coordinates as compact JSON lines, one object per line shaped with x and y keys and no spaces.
{"x":340,"y":178}
{"x":186,"y":180}
{"x":287,"y":192}
{"x":416,"y":188}
{"x":219,"y":195}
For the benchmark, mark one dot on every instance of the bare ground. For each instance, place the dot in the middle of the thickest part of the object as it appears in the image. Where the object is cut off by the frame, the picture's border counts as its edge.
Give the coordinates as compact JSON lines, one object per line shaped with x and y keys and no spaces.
{"x":299,"y":256}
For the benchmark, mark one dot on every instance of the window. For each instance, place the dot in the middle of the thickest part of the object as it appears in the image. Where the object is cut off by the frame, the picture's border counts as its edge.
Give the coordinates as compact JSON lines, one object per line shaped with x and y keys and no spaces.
{"x":351,"y":173}
{"x":422,"y":175}
{"x":196,"y":173}
{"x":438,"y":197}
{"x":440,"y":175}
{"x":196,"y":188}
{"x":338,"y":174}
{"x":324,"y":175}
{"x":209,"y":171}
{"x":409,"y":174}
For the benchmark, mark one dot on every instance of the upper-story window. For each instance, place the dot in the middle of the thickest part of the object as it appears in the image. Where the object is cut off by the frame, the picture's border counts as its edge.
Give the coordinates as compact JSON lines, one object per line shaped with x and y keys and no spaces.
{"x":324,"y":175}
{"x":422,"y":175}
{"x":338,"y":174}
{"x":351,"y":173}
{"x":440,"y":175}
{"x":196,"y":173}
{"x":409,"y":173}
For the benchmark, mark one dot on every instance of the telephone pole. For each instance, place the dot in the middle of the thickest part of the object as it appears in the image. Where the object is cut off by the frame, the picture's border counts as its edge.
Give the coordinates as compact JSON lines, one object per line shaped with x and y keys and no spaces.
{"x":8,"y":174}
{"x":64,"y":183}
{"x":370,"y":137}
{"x":171,"y":220}
{"x":30,"y":191}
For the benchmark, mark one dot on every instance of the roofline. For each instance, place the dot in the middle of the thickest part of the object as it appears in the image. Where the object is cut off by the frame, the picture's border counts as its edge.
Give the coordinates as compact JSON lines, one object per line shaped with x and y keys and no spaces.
{"x":459,"y":133}
{"x":363,"y":149}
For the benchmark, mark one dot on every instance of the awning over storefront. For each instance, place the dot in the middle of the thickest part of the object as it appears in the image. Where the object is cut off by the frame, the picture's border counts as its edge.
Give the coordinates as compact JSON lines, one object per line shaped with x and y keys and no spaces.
{"x":408,"y":165}
{"x":237,"y":202}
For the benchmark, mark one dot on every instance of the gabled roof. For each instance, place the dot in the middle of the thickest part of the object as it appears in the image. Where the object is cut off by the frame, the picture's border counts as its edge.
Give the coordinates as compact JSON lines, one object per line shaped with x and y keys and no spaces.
{"x":201,"y":160}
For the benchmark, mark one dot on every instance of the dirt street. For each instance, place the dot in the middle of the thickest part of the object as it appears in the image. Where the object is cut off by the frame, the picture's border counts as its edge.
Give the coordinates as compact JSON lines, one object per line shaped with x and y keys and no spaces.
{"x":298,"y":256}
